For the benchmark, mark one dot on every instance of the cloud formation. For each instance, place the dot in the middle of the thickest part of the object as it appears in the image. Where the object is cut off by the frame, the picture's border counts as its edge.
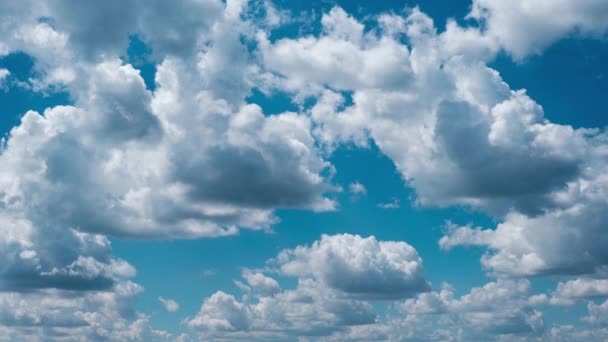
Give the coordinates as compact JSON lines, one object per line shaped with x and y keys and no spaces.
{"x":191,"y":157}
{"x":361,"y":267}
{"x":324,"y":301}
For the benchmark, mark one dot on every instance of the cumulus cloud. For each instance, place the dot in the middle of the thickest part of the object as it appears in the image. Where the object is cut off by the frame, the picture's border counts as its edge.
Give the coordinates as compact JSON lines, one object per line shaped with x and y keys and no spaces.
{"x":598,"y":313}
{"x":187,"y":160}
{"x":192,"y":158}
{"x":342,"y":58}
{"x":546,"y":244}
{"x":498,"y":308}
{"x":455,"y":130}
{"x":309,"y":309}
{"x":64,"y":315}
{"x":575,"y":334}
{"x":261,"y":284}
{"x":567,"y":293}
{"x":526,"y":27}
{"x":360,"y":267}
{"x":459,"y":135}
{"x":337,"y":276}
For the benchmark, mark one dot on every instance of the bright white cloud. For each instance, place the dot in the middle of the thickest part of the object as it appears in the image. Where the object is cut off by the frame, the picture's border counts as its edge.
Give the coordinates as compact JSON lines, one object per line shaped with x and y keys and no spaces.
{"x":360,"y":267}
{"x":64,"y":315}
{"x":190,"y":159}
{"x":261,"y":284}
{"x":310,"y":309}
{"x":498,"y":308}
{"x":443,"y":107}
{"x":460,"y":136}
{"x":334,"y":277}
{"x":527,"y":27}
{"x":193,"y":159}
{"x":567,"y":293}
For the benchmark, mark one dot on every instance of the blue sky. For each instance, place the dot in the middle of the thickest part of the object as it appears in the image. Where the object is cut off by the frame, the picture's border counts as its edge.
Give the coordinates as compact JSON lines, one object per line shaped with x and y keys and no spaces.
{"x":310,"y":171}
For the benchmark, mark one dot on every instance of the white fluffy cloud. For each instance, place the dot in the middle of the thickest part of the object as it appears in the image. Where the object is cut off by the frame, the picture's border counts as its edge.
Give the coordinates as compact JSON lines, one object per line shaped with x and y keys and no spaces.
{"x":459,"y":135}
{"x":342,"y":58}
{"x":497,"y":311}
{"x":335,"y":277}
{"x":525,"y":27}
{"x":497,"y":308}
{"x":261,"y":284}
{"x":360,"y":267}
{"x":192,"y":158}
{"x":598,"y":313}
{"x":187,"y":160}
{"x":443,"y":107}
{"x":569,"y":292}
{"x":562,"y":241}
{"x":309,"y":309}
{"x":61,"y":315}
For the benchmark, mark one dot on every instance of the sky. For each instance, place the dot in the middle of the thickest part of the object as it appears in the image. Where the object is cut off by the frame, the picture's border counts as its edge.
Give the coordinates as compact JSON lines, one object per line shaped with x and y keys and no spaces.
{"x":257,"y":170}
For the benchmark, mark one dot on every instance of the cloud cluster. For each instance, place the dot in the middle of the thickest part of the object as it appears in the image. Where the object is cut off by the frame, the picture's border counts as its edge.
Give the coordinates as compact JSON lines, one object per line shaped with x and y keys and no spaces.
{"x":337,"y":277}
{"x":497,"y":308}
{"x":361,"y":267}
{"x":188,"y":159}
{"x":457,"y":132}
{"x":63,"y":315}
{"x":192,"y":158}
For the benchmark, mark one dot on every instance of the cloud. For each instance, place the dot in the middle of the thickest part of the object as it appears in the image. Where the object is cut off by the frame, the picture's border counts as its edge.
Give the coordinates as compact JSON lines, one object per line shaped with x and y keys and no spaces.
{"x":361,"y":267}
{"x":56,"y":258}
{"x":525,"y":27}
{"x":139,"y":163}
{"x":64,"y":315}
{"x":261,"y":284}
{"x":221,"y":312}
{"x":455,"y":130}
{"x":572,"y":333}
{"x":496,"y":311}
{"x":357,"y":188}
{"x":123,"y":160}
{"x":336,"y":277}
{"x":310,"y":309}
{"x":546,"y":244}
{"x":169,"y":304}
{"x":498,"y":308}
{"x":567,"y":293}
{"x":460,"y":135}
{"x":192,"y":158}
{"x":342,"y":58}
